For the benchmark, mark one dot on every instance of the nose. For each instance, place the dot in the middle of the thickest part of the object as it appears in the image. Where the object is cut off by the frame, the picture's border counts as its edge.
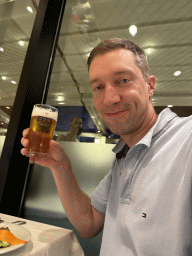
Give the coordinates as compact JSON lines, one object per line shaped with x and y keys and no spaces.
{"x":111,"y":95}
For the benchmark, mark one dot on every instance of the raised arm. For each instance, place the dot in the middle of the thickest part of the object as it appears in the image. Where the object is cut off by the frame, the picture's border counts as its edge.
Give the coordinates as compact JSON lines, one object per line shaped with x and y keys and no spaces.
{"x":86,"y":219}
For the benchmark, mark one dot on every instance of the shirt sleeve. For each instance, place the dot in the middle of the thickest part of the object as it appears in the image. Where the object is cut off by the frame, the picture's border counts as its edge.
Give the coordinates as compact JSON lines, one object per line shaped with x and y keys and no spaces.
{"x":100,"y":197}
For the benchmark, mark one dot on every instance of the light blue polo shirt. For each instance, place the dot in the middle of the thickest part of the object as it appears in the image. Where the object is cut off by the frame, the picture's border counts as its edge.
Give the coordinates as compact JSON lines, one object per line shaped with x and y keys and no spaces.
{"x":147,"y":195}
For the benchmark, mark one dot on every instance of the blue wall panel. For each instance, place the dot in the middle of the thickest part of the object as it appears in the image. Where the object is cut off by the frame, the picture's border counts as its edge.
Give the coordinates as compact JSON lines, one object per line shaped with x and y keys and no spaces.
{"x":66,"y":113}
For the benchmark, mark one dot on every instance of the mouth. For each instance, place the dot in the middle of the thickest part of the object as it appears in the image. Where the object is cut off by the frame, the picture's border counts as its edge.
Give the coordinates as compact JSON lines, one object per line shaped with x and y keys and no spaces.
{"x":115,"y":114}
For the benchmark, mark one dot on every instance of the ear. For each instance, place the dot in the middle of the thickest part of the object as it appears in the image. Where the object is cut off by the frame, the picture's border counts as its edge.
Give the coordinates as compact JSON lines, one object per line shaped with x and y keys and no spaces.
{"x":151,"y":85}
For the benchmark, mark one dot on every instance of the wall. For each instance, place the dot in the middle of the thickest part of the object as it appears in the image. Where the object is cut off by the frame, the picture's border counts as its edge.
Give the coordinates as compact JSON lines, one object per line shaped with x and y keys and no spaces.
{"x":90,"y":163}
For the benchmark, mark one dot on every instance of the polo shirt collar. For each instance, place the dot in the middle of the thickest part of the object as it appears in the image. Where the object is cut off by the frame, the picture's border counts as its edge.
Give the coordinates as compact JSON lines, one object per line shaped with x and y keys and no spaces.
{"x":164,"y":118}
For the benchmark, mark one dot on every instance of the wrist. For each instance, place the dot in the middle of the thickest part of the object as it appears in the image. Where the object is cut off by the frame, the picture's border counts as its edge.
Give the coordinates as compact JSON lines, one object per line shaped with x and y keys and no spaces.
{"x":62,"y":166}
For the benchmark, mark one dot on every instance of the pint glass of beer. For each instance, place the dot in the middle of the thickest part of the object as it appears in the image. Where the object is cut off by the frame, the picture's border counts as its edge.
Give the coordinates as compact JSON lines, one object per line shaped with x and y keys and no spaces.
{"x":42,"y":127}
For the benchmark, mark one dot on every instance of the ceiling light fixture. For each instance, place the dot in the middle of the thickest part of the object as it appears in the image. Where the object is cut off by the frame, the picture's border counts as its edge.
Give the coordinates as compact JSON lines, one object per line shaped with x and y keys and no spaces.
{"x":60,"y":98}
{"x":169,"y":106}
{"x":4,"y":78}
{"x":29,"y":8}
{"x":177,"y":73}
{"x":133,"y":30}
{"x":1,"y":49}
{"x":21,"y":43}
{"x":13,"y":82}
{"x":149,"y":50}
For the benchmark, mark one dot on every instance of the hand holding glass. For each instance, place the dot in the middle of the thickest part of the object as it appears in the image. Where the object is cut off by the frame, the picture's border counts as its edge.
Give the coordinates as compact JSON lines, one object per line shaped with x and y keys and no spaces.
{"x":42,"y":128}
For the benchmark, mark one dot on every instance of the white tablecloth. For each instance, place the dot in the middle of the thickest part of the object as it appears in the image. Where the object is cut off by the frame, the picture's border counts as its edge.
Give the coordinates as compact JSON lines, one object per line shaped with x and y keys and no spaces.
{"x":46,"y":240}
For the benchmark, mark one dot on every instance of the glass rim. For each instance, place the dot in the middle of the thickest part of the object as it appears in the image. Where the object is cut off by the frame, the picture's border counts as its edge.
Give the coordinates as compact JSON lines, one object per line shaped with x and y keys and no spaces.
{"x":46,"y":105}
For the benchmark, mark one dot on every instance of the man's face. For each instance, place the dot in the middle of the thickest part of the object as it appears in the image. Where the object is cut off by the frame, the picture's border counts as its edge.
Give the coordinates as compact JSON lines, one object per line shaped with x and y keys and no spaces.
{"x":76,"y":125}
{"x":121,"y":95}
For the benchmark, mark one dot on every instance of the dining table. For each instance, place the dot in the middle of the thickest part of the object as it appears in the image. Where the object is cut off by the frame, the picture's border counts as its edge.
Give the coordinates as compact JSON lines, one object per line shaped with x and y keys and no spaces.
{"x":42,"y":239}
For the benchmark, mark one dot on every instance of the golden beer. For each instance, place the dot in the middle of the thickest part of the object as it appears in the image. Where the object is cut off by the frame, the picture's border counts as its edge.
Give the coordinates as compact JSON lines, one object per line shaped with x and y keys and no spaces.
{"x":42,"y":127}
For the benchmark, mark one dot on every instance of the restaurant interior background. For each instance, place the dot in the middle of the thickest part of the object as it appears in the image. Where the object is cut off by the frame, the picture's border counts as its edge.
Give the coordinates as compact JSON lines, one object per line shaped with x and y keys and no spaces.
{"x":162,"y":28}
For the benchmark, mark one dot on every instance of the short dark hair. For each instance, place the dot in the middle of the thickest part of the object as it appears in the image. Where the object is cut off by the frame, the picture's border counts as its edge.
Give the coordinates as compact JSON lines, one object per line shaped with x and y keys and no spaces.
{"x":119,"y":43}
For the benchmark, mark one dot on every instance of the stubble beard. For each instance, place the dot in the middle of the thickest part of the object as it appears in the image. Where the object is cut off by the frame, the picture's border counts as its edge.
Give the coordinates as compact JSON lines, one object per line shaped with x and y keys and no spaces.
{"x":125,"y":126}
{"x":120,"y":127}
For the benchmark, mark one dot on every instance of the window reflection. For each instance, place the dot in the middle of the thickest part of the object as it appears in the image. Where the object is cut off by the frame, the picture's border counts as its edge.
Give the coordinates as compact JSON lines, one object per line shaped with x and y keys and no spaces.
{"x":162,"y":30}
{"x":16,"y":23}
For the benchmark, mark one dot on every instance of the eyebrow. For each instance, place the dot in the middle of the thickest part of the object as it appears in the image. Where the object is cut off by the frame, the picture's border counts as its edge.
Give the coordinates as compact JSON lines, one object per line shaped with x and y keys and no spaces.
{"x":121,"y":72}
{"x":94,"y":81}
{"x":128,"y":71}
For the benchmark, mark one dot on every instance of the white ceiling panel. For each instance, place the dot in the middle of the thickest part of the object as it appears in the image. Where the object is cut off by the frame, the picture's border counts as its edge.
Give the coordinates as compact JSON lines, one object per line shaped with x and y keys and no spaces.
{"x":59,"y":66}
{"x":82,"y":78}
{"x":76,"y":62}
{"x":60,"y":79}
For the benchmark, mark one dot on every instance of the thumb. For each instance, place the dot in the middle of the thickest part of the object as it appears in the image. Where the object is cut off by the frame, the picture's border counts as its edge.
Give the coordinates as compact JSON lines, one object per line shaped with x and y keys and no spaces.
{"x":56,"y":151}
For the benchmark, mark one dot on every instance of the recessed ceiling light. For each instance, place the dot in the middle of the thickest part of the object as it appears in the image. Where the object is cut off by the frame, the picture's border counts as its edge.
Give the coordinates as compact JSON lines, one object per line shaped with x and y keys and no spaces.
{"x":148,"y":50}
{"x":29,"y":8}
{"x":133,"y":30}
{"x":60,"y":98}
{"x":177,"y":73}
{"x":21,"y":43}
{"x":4,"y":77}
{"x":1,"y":49}
{"x":13,"y":82}
{"x":8,"y":107}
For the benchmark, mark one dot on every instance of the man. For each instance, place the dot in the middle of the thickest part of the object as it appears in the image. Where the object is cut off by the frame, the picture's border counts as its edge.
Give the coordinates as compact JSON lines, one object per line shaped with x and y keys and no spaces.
{"x":75,"y":130}
{"x":144,"y":204}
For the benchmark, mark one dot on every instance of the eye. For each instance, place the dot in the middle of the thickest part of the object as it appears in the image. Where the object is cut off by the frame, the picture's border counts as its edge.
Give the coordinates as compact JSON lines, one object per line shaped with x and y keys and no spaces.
{"x":97,"y":88}
{"x":124,"y":80}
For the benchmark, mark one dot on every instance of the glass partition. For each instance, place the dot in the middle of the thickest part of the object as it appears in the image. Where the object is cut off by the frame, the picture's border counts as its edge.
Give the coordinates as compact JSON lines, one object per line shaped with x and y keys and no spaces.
{"x":162,"y":29}
{"x":16,"y":23}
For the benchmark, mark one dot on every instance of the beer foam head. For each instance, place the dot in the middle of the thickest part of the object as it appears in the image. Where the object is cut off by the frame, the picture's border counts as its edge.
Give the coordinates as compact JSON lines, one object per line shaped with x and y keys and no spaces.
{"x":46,"y":112}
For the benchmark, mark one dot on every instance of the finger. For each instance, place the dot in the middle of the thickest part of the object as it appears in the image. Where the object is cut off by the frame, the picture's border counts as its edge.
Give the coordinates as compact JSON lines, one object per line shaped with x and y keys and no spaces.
{"x":32,"y":160}
{"x":23,"y":151}
{"x":25,"y":132}
{"x":24,"y":142}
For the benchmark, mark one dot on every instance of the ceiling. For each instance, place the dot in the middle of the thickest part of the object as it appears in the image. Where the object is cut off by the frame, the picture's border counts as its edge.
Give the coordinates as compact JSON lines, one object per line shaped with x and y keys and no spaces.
{"x":164,"y":26}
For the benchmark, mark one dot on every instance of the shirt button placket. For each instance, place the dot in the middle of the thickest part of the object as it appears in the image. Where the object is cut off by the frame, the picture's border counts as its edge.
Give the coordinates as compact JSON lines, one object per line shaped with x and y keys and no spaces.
{"x":128,"y":173}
